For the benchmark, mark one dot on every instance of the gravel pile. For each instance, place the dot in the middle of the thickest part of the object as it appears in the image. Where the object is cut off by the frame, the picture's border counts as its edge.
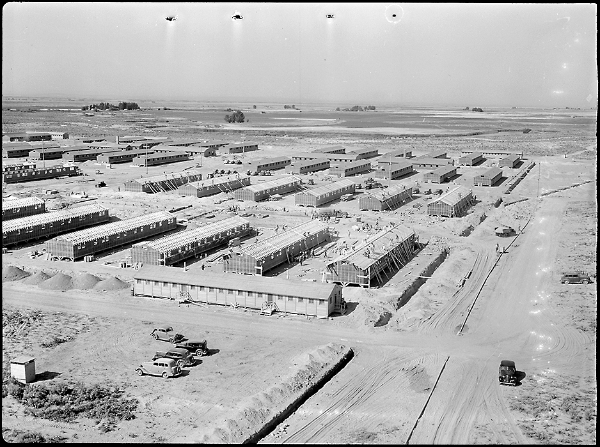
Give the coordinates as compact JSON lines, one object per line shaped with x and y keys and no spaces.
{"x":60,"y":281}
{"x":111,"y":283}
{"x":85,"y":281}
{"x":37,"y":278}
{"x":12,"y":273}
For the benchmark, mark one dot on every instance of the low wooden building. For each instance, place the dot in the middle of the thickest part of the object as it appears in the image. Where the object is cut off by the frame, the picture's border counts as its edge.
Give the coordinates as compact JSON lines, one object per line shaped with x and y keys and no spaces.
{"x":253,"y":292}
{"x":324,"y":194}
{"x":41,"y":226}
{"x":14,"y":209}
{"x":398,"y":153}
{"x":285,"y":246}
{"x":239,"y":148}
{"x":307,"y":166}
{"x":268,"y":164}
{"x":510,"y":161}
{"x":395,"y":170}
{"x":471,"y":159}
{"x":384,"y":199}
{"x":262,"y":191}
{"x":162,"y":158}
{"x":40,"y":174}
{"x":440,"y":175}
{"x":336,"y":149}
{"x":364,"y":153}
{"x":453,"y":203}
{"x":49,"y":153}
{"x":119,"y":156}
{"x":214,"y":186}
{"x":350,"y":169}
{"x":16,"y":150}
{"x":97,"y":239}
{"x":390,"y":249}
{"x":307,"y":156}
{"x":488,"y":178}
{"x":437,"y":154}
{"x":84,"y":155}
{"x":493,"y":152}
{"x":186,"y":244}
{"x":163,"y":182}
{"x":430,"y":163}
{"x":342,"y":158}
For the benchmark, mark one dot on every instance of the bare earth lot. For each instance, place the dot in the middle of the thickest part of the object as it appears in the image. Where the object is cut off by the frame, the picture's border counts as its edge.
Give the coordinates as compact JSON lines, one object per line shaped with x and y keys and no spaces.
{"x":424,"y":368}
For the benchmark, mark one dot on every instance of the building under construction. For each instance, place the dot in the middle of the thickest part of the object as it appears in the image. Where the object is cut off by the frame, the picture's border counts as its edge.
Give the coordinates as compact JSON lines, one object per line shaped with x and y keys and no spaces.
{"x":385,"y":199}
{"x":177,"y":247}
{"x":161,"y":158}
{"x":163,"y":182}
{"x":262,"y":191}
{"x":488,"y":178}
{"x":324,"y":194}
{"x":86,"y":242}
{"x":440,"y":175}
{"x":453,"y":203}
{"x":42,"y":226}
{"x":386,"y":251}
{"x":40,"y":174}
{"x":214,"y":186}
{"x":349,"y":169}
{"x":14,"y":209}
{"x":395,"y":170}
{"x":306,"y":166}
{"x":283,"y":295}
{"x":260,"y":257}
{"x":471,"y":159}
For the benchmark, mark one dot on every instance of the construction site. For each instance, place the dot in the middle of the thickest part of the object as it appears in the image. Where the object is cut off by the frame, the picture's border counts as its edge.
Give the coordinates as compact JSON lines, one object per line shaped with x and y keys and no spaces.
{"x":359,"y":294}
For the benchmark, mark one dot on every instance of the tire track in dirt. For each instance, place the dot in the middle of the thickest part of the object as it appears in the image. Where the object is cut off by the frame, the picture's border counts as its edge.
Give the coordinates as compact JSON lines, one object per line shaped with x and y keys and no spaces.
{"x":359,"y":397}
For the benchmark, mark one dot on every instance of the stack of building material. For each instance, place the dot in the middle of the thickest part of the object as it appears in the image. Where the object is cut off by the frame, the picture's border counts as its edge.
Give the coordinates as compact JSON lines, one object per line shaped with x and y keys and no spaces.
{"x":390,"y":248}
{"x":263,"y":255}
{"x":185,"y":244}
{"x":262,"y":191}
{"x":163,"y":182}
{"x":104,"y":237}
{"x":324,"y":194}
{"x":14,"y":209}
{"x":45,"y":225}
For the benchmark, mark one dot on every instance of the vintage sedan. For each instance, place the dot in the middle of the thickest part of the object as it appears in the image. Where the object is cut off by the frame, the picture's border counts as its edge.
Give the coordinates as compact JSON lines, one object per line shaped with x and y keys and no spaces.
{"x":197,"y":348}
{"x":160,"y":367}
{"x":166,"y":333}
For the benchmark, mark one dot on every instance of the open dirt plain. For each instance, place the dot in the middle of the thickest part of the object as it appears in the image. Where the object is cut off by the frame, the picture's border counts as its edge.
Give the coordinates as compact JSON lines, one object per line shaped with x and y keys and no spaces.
{"x":424,"y":345}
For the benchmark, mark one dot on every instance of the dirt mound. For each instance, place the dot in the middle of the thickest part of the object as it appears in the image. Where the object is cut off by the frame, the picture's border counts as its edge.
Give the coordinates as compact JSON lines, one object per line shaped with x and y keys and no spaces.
{"x":111,"y":283}
{"x":12,"y":273}
{"x":85,"y":281}
{"x":60,"y":281}
{"x":37,"y":278}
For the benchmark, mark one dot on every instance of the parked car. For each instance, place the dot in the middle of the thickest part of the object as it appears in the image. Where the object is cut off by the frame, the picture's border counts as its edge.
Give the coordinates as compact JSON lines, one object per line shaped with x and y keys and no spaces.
{"x":166,"y":333}
{"x":507,"y":373}
{"x":575,"y":278}
{"x":196,"y":347}
{"x":160,"y":367}
{"x":504,"y":231}
{"x":183,"y":357}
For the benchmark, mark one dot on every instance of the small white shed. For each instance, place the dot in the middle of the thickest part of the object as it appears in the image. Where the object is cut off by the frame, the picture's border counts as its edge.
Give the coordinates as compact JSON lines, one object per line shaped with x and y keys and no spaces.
{"x":22,"y":368}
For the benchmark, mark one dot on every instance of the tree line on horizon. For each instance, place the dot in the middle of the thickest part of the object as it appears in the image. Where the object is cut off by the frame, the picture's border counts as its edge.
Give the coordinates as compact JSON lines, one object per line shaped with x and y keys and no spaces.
{"x":356,"y":109}
{"x":108,"y":106}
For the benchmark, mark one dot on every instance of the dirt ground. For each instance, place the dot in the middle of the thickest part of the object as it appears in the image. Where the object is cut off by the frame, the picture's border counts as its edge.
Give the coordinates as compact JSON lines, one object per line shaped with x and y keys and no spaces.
{"x":426,"y":351}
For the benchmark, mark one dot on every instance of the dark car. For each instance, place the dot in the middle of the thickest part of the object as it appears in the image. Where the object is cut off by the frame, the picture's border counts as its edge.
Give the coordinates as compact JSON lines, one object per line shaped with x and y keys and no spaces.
{"x":166,"y":333}
{"x":182,"y":356}
{"x":507,"y":374}
{"x":575,"y":278}
{"x":196,"y":347}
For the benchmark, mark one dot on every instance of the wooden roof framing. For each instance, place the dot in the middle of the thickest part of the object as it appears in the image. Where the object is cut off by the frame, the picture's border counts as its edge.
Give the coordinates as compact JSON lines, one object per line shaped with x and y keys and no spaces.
{"x":19,"y":203}
{"x":45,"y":218}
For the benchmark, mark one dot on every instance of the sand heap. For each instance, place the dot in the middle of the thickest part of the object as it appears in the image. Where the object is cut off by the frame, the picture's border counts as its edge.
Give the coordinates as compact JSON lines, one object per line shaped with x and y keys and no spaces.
{"x":111,"y":283}
{"x":12,"y":273}
{"x":85,"y":281}
{"x":60,"y":281}
{"x":37,"y":278}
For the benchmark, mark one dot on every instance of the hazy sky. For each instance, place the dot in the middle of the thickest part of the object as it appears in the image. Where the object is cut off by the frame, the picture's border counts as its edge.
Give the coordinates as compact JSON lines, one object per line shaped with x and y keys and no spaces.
{"x":385,"y":53}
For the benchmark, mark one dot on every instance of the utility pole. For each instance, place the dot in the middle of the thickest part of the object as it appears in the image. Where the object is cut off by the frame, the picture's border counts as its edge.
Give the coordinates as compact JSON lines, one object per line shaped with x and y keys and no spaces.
{"x":539,"y":169}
